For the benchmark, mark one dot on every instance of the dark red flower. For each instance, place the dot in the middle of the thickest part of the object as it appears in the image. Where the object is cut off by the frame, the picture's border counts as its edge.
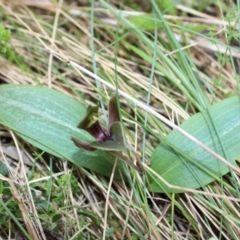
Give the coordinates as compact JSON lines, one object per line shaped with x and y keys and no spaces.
{"x":112,"y":139}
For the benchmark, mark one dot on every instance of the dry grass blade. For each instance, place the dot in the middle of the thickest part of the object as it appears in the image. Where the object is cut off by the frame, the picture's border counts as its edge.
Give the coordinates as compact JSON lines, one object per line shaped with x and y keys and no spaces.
{"x":27,"y":221}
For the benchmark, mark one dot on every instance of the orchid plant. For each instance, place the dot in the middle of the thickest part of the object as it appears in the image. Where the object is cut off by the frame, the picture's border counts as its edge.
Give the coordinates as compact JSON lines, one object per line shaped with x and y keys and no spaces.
{"x":112,"y":139}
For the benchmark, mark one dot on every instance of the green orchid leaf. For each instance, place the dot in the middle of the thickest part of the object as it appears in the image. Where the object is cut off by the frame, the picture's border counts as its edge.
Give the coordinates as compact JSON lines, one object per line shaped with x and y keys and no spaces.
{"x":115,"y":141}
{"x":182,"y":163}
{"x":47,"y":119}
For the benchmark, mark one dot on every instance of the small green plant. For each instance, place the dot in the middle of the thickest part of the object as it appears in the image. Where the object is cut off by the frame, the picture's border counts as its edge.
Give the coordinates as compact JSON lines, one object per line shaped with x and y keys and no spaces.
{"x":7,"y":51}
{"x":4,"y":40}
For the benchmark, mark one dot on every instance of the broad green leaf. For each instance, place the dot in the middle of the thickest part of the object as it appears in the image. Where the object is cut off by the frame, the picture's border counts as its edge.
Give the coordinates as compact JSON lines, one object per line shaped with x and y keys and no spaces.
{"x":181,"y":162}
{"x":48,"y":119}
